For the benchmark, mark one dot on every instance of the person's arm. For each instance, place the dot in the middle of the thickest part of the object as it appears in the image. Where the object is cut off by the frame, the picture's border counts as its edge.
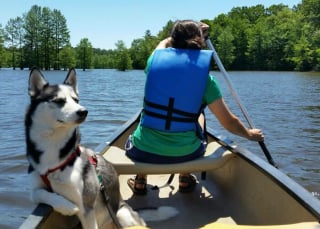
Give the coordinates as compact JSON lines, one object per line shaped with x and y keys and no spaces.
{"x":232,"y":123}
{"x":164,"y":43}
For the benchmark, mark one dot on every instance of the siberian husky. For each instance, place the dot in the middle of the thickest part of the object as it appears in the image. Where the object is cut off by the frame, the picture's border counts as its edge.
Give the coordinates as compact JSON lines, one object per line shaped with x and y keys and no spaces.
{"x":64,"y":174}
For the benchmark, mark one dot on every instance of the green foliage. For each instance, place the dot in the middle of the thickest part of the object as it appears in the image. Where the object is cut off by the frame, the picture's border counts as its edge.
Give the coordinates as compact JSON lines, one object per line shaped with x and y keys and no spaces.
{"x":246,"y":38}
{"x":166,"y":30}
{"x":122,"y":57}
{"x":67,"y":57}
{"x":2,"y":49}
{"x":37,"y":38}
{"x":225,"y":47}
{"x":103,"y":59}
{"x":138,"y":53}
{"x":141,"y":49}
{"x":84,"y":52}
{"x":270,"y":38}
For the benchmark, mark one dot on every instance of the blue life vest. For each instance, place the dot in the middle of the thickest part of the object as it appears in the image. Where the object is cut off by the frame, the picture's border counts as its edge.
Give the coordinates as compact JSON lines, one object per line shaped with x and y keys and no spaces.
{"x":174,"y":89}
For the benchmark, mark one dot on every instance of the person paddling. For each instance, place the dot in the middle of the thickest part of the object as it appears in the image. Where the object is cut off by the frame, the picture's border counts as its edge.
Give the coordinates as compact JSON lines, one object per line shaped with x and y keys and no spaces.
{"x":177,"y":89}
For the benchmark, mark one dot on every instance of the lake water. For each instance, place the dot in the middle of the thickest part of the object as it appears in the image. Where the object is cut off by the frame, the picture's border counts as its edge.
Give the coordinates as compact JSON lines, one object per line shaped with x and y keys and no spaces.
{"x":286,"y":105}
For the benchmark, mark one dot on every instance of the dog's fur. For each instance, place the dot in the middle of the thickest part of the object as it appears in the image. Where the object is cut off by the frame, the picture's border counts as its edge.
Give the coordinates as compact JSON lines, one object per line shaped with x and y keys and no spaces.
{"x":52,"y":135}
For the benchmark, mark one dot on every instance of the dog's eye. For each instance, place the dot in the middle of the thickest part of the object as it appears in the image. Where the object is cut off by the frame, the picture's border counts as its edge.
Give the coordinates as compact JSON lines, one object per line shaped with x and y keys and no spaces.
{"x":59,"y":101}
{"x":76,"y":100}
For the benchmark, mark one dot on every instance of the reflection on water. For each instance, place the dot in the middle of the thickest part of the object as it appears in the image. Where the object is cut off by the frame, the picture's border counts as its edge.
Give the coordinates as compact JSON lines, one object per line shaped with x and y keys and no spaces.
{"x":284,"y":104}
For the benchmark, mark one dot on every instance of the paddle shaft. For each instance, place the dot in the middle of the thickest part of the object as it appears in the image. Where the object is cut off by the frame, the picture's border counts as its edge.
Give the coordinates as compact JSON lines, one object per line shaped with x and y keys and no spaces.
{"x":236,"y":97}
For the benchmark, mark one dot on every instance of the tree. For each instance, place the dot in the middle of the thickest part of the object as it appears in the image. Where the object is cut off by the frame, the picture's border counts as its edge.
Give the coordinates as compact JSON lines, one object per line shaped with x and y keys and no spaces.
{"x":259,"y":38}
{"x":141,"y":49}
{"x":123,"y":60}
{"x":2,"y":49}
{"x":46,"y":37}
{"x":221,"y":38}
{"x":33,"y":29}
{"x":302,"y":55}
{"x":11,"y":36}
{"x":225,"y":47}
{"x":61,"y":37}
{"x":67,"y":57}
{"x":14,"y":35}
{"x":257,"y":47}
{"x":281,"y":33}
{"x":137,"y":53}
{"x":311,"y":11}
{"x":20,"y":33}
{"x":103,"y":59}
{"x":84,"y":54}
{"x":45,"y":34}
{"x":239,"y":25}
{"x":166,"y":30}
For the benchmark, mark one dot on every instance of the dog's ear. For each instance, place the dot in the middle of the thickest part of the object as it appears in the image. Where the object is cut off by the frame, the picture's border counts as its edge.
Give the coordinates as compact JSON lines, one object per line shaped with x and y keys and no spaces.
{"x":71,"y":79}
{"x":36,"y":82}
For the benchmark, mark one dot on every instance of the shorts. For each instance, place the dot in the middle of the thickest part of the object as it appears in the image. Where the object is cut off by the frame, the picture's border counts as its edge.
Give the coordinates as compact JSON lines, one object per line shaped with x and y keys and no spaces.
{"x":139,"y":155}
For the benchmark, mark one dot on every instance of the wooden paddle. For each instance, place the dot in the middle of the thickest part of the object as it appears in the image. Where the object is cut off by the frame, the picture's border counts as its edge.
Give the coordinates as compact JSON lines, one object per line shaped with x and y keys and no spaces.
{"x":233,"y":92}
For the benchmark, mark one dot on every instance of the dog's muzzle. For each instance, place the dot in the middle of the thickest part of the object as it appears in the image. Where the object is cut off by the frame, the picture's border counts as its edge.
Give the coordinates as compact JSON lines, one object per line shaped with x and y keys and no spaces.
{"x":82,"y":114}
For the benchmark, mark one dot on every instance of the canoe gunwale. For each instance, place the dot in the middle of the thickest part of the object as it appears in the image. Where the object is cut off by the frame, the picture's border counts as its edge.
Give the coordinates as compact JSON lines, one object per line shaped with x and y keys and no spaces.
{"x":37,"y":217}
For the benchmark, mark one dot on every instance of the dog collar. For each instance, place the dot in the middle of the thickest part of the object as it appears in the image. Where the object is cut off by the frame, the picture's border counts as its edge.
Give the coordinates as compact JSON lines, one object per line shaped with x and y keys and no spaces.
{"x":70,"y":159}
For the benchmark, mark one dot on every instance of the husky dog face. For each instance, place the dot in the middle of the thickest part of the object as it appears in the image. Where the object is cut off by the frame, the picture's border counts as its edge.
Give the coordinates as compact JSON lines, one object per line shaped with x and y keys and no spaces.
{"x":56,"y":105}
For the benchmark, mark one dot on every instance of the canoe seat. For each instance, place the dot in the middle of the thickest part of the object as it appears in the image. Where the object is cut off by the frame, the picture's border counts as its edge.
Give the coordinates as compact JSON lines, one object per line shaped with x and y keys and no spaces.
{"x":215,"y":157}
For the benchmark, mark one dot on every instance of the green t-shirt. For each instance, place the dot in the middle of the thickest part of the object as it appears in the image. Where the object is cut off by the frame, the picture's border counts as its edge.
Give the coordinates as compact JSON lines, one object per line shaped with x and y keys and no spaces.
{"x":173,"y":144}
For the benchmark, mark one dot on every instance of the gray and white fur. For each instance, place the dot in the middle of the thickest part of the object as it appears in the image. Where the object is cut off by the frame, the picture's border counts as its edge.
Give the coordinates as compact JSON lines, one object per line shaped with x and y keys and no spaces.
{"x":52,"y":136}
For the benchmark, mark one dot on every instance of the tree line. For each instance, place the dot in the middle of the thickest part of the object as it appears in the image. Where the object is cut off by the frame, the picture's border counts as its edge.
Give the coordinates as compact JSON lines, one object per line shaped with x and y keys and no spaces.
{"x":246,"y":38}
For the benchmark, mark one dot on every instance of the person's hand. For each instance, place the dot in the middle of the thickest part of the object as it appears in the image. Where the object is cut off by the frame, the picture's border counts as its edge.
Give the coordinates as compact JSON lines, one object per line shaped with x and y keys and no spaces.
{"x":256,"y":135}
{"x":205,"y":29}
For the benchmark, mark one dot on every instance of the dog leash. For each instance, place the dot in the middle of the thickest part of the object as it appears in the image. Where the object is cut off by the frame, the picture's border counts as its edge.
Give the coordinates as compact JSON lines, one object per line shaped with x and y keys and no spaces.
{"x":94,"y":161}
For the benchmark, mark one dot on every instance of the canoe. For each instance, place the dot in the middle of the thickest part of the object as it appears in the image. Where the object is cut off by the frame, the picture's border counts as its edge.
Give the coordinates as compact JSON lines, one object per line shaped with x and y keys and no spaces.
{"x":236,"y":189}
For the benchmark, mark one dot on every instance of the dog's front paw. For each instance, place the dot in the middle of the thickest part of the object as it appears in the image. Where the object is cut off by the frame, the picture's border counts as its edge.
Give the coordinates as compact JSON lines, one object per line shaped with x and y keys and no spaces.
{"x":66,"y":208}
{"x":59,"y":203}
{"x":63,"y":205}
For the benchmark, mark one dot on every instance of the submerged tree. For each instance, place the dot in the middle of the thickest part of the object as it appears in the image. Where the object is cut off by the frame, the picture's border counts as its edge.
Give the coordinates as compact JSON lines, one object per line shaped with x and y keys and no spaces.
{"x":60,"y":36}
{"x":84,"y":54}
{"x":123,"y":60}
{"x":46,"y":33}
{"x":2,"y":50}
{"x":67,"y":57}
{"x":12,"y":36}
{"x":33,"y":28}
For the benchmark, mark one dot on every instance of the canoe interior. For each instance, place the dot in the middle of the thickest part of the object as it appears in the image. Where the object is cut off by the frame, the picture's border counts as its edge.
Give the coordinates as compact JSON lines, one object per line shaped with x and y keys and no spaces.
{"x":245,"y":190}
{"x":239,"y":192}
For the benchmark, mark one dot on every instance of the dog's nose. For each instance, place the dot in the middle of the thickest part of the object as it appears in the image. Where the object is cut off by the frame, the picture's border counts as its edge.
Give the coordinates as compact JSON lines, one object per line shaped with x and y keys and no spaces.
{"x":82,"y":113}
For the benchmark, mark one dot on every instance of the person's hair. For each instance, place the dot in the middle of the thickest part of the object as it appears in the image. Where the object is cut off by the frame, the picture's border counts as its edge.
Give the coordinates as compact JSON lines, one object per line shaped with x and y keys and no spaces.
{"x":186,"y":34}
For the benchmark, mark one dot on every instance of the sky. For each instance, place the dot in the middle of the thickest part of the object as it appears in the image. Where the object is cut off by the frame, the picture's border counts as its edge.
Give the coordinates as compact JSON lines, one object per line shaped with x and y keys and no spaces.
{"x":104,"y":22}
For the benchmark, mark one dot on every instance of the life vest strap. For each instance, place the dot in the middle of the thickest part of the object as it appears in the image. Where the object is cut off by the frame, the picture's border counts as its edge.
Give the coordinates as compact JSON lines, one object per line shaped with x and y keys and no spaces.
{"x":174,"y":110}
{"x":170,"y":113}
